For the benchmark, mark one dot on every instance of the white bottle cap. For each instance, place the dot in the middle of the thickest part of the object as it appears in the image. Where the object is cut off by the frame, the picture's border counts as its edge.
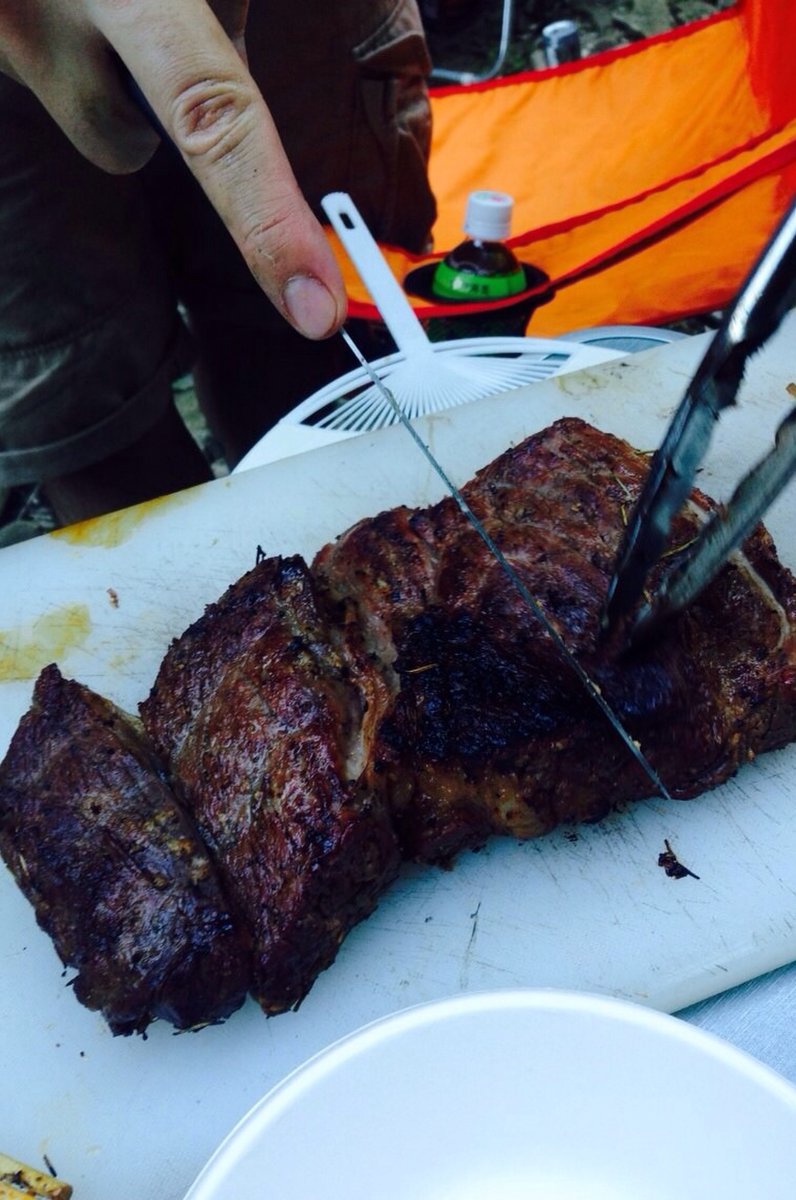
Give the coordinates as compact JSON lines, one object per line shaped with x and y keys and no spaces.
{"x":488,"y":216}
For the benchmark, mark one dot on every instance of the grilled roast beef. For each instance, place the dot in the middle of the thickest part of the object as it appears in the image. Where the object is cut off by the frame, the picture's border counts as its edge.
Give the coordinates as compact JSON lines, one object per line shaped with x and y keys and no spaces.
{"x":114,"y":868}
{"x":260,"y":722}
{"x":400,"y":697}
{"x":483,"y":726}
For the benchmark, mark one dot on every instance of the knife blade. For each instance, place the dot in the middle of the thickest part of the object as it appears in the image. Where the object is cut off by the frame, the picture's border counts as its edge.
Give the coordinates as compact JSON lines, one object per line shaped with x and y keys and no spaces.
{"x":516,"y":582}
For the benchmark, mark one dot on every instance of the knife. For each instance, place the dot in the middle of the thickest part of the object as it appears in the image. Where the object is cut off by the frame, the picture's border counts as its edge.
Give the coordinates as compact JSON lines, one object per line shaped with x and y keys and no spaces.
{"x":514,"y":579}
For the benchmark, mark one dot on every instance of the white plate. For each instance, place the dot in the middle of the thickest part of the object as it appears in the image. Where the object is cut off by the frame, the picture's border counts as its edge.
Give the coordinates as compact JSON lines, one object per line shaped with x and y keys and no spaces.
{"x":517,"y":1095}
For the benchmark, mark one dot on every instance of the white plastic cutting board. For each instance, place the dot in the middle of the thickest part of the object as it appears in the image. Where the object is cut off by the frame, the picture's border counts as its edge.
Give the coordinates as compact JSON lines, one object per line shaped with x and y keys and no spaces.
{"x":134,"y":1119}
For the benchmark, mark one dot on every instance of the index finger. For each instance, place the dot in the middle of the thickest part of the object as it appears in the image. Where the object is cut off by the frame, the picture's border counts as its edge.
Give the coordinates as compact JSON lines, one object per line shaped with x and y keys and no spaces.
{"x":214,"y":114}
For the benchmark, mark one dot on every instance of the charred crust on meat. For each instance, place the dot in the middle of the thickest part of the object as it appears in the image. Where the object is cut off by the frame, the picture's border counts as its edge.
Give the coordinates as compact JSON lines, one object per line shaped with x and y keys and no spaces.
{"x":475,"y":697}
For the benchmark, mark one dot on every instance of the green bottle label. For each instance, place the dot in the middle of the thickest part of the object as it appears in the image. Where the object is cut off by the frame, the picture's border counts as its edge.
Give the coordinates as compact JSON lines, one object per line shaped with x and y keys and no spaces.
{"x":455,"y":284}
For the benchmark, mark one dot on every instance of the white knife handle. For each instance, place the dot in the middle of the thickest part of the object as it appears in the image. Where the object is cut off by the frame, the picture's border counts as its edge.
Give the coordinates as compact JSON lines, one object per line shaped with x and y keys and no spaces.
{"x":372,"y":268}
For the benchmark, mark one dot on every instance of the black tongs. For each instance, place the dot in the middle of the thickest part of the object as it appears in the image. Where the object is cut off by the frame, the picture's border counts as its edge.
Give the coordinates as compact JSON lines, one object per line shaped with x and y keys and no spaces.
{"x":757,"y":312}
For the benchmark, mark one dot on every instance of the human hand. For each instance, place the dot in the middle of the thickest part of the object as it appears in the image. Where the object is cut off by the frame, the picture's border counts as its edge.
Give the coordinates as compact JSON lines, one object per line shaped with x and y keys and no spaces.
{"x":187,"y":58}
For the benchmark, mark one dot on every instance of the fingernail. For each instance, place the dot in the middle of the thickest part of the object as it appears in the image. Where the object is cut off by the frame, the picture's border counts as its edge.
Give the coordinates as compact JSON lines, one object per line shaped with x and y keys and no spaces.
{"x":310,"y":306}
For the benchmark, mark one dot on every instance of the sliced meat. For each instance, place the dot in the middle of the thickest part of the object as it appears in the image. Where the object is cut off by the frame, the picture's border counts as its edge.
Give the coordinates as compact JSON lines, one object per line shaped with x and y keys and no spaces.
{"x":399,"y":697}
{"x":261,"y":723}
{"x":113,"y":866}
{"x":482,"y":727}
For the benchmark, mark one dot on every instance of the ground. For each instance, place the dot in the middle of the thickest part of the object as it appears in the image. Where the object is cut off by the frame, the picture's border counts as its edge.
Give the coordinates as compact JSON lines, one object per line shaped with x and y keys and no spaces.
{"x":464,"y":35}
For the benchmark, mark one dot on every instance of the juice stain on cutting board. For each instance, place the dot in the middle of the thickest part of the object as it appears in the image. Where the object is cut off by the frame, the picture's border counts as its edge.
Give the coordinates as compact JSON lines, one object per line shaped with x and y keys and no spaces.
{"x":115,"y":528}
{"x":26,"y":649}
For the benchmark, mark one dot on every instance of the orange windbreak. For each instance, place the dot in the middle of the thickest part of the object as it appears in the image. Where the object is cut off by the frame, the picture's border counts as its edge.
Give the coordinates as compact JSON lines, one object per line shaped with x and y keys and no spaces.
{"x":645,"y":179}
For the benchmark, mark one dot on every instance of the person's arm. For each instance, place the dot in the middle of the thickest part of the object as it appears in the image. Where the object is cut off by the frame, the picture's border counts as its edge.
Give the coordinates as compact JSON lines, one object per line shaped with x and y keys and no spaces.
{"x":182,"y":54}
